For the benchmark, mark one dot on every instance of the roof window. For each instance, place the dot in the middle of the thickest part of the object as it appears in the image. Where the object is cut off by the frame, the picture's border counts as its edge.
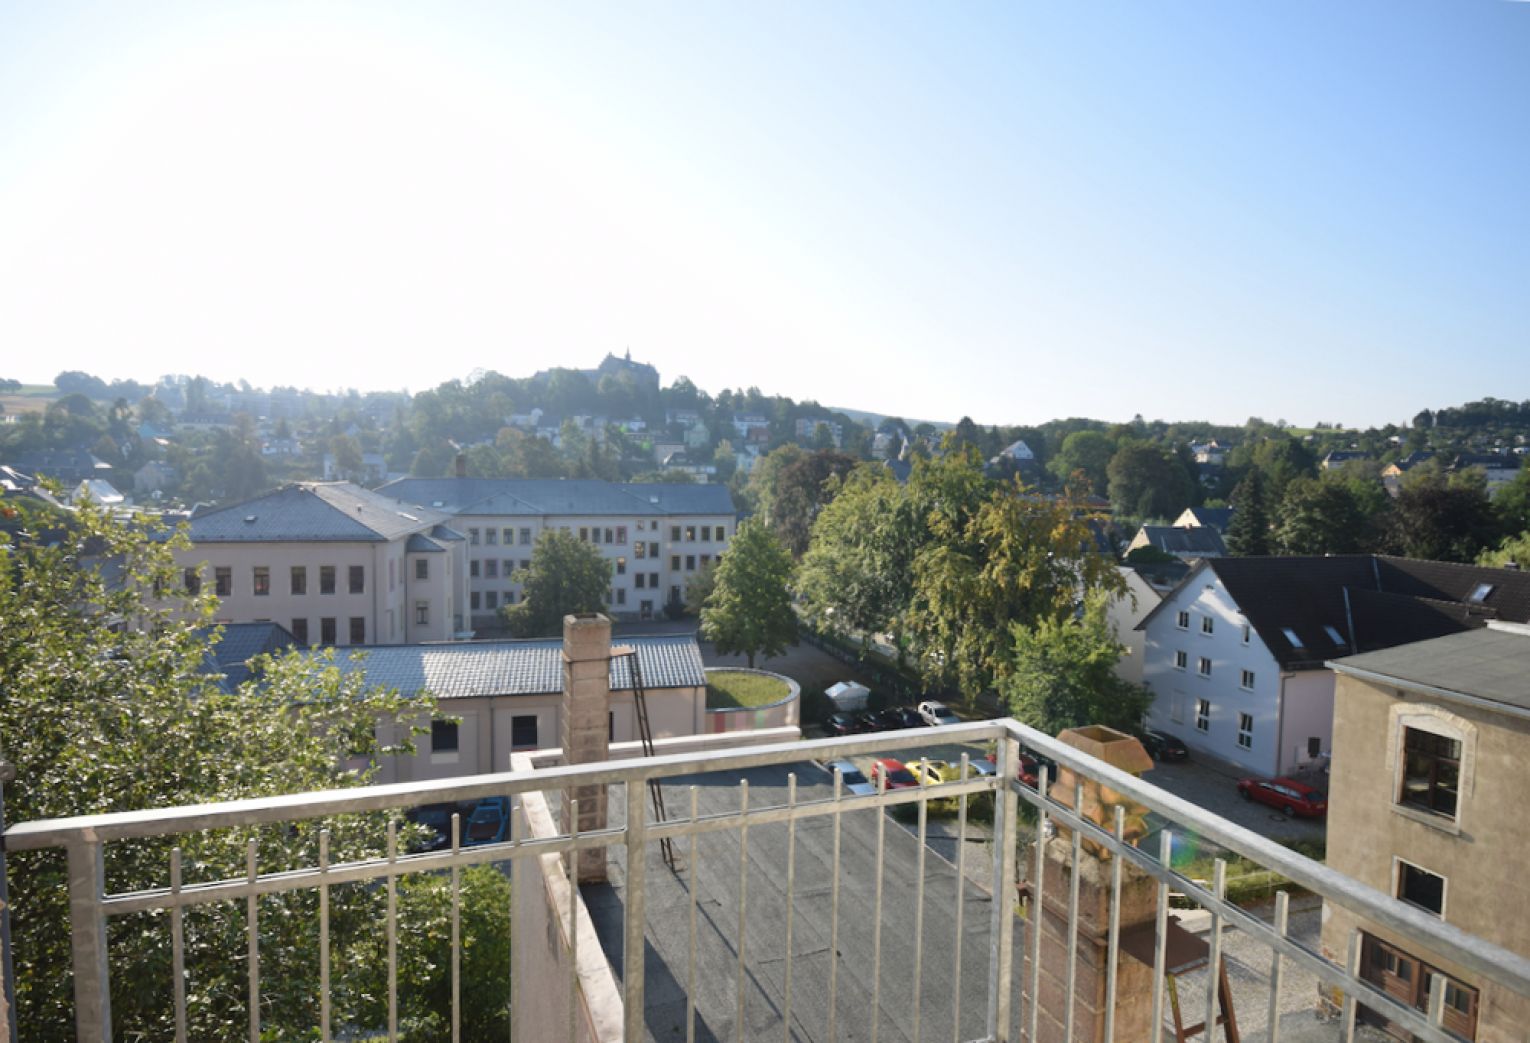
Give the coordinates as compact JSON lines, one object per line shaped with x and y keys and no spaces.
{"x":1296,"y":642}
{"x":1333,"y":635}
{"x":1480,"y":593}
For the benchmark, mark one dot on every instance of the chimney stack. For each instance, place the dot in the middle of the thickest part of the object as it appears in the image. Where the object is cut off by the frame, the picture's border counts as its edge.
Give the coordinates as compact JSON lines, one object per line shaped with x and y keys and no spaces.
{"x":585,"y":725}
{"x":459,"y":466}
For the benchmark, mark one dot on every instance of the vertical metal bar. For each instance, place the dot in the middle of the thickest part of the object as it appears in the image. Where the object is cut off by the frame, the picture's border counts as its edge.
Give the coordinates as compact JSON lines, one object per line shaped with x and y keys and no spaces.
{"x":1277,"y":961}
{"x":839,"y":785}
{"x":690,"y":979}
{"x":1160,"y":949}
{"x":961,"y":874}
{"x":178,"y":947}
{"x":456,"y":930}
{"x":1001,"y":927}
{"x":87,"y":941}
{"x":8,"y":1028}
{"x":573,"y":920}
{"x":1214,"y":964}
{"x":324,"y":1002}
{"x":1033,"y":922}
{"x":636,"y":830}
{"x":791,"y":901}
{"x":252,"y":931}
{"x":1351,"y":964}
{"x":924,"y":804}
{"x":743,"y":900}
{"x":1074,"y":872}
{"x":515,"y":846}
{"x":392,"y":933}
{"x":1113,"y":944}
{"x":876,"y":916}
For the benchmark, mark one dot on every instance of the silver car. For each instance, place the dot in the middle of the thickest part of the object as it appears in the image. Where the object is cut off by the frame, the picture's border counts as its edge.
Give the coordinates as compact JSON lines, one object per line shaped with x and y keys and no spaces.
{"x":856,"y":784}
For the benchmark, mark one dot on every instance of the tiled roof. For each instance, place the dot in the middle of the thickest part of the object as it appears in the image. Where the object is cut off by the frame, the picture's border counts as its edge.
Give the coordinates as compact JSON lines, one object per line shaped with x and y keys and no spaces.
{"x":1217,"y":518}
{"x":309,"y":512}
{"x":419,"y":543}
{"x":1202,"y":541}
{"x":229,"y":653}
{"x":464,"y":669}
{"x":536,"y":497}
{"x":1479,"y":664}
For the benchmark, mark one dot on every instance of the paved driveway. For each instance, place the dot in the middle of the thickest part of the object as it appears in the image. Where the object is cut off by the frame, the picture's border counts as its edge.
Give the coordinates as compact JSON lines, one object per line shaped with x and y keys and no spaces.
{"x":1215,"y":788}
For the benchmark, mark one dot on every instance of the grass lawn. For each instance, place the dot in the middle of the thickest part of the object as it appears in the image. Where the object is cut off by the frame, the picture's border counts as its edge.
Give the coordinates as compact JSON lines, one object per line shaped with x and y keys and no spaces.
{"x":730,"y":689}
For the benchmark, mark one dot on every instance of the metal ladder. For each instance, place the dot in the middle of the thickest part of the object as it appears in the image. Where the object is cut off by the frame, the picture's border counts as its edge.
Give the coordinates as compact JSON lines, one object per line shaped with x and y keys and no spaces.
{"x":645,"y":732}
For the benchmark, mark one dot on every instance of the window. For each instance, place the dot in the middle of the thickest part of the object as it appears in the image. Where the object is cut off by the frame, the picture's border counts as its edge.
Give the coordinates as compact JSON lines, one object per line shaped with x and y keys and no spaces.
{"x":1480,"y":593}
{"x":1203,"y":715}
{"x":491,"y":568}
{"x":1431,"y":771}
{"x":1246,"y":731}
{"x":508,"y":568}
{"x":1203,"y":667}
{"x":1421,"y":888}
{"x":721,"y":533}
{"x":1333,"y":635}
{"x":674,"y":563}
{"x":421,"y":568}
{"x":690,"y":563}
{"x":653,"y":551}
{"x":473,"y":568}
{"x":523,"y":730}
{"x":706,"y":559}
{"x":299,"y":630}
{"x":261,"y":577}
{"x":1247,"y":683}
{"x":621,"y":534}
{"x":640,"y":550}
{"x":653,"y":581}
{"x":223,"y":581}
{"x":1246,"y":632}
{"x":674,"y":534}
{"x":1207,"y":624}
{"x":326,"y":579}
{"x":610,"y":534}
{"x":1290,"y":636}
{"x":706,"y":534}
{"x":358,"y":630}
{"x":327,"y":630}
{"x":473,"y":537}
{"x":1181,"y":660}
{"x":690,"y":534}
{"x":638,"y":581}
{"x":192,"y":580}
{"x":1182,"y":621}
{"x":491,"y":600}
{"x":509,"y":536}
{"x":422,"y":613}
{"x":443,"y":737}
{"x":525,"y":563}
{"x":358,"y":579}
{"x":621,"y":566}
{"x":621,"y":595}
{"x":584,"y":534}
{"x":474,"y":600}
{"x":525,"y":537}
{"x":491,"y":537}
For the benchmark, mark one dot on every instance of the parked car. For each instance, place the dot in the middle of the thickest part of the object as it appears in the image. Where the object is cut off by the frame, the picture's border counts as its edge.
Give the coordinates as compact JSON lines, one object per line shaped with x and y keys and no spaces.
{"x":934,"y":772}
{"x":908,"y":715}
{"x":982,"y":766}
{"x":870,"y":722}
{"x":1031,"y":763}
{"x":844,"y":724}
{"x":854,"y":781}
{"x":438,"y":819}
{"x":890,"y":719}
{"x":1163,"y":747}
{"x":1290,"y":796}
{"x":898,"y":775}
{"x":489,"y":823}
{"x":937,"y":713}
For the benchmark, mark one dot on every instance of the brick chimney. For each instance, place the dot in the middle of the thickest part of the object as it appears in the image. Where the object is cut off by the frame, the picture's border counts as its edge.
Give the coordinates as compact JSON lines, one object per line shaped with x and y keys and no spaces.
{"x":585,"y":724}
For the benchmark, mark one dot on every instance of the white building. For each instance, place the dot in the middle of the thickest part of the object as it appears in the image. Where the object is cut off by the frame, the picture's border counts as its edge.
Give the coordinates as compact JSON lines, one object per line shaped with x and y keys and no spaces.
{"x":334,"y":564}
{"x":657,"y":536}
{"x":1235,"y":654}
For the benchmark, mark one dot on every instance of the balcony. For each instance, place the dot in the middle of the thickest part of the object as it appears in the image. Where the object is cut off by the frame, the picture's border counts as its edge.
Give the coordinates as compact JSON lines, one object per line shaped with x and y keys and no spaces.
{"x":769,"y":903}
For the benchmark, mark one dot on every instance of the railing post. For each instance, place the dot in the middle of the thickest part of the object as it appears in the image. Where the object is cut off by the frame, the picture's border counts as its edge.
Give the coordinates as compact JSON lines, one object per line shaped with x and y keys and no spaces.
{"x":636,"y":830}
{"x":1001,"y":932}
{"x":7,"y":966}
{"x":87,"y":939}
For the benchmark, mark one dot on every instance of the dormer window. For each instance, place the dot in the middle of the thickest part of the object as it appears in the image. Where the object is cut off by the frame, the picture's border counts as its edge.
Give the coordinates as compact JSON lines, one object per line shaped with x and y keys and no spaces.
{"x":1480,"y":593}
{"x":1290,"y":636}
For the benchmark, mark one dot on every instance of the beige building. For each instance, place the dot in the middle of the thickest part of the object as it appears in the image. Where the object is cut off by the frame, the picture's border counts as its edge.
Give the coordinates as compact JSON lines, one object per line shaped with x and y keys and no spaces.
{"x":334,"y":564}
{"x":1431,"y":765}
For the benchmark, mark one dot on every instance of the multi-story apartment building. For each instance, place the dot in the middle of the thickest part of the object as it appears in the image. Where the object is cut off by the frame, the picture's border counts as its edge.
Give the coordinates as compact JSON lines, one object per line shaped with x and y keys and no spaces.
{"x":657,"y":536}
{"x":1236,"y":654}
{"x":1431,"y":761}
{"x":334,"y":564}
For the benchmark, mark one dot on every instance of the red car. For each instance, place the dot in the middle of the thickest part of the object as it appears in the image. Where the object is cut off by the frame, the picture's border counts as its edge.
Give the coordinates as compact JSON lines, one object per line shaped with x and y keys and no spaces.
{"x":1290,"y":796}
{"x":898,"y":776}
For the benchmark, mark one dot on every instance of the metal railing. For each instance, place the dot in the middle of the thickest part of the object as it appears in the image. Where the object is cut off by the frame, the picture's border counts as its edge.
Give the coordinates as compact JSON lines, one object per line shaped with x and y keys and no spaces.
{"x":87,"y":840}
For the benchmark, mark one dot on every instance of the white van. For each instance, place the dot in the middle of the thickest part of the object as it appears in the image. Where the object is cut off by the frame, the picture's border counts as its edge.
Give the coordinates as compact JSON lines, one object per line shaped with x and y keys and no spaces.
{"x":847,"y":696}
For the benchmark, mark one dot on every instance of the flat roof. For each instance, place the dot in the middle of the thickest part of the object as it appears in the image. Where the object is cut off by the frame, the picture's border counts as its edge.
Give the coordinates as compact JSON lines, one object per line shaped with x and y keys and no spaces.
{"x":1488,"y":665}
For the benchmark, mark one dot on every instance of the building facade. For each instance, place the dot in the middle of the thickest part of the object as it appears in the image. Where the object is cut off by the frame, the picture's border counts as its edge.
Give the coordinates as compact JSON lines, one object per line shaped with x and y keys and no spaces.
{"x":656,"y":536}
{"x":334,"y":564}
{"x":1431,"y":760}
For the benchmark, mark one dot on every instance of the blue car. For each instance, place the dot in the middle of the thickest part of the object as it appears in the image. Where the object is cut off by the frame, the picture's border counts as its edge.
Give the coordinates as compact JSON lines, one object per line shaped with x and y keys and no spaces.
{"x":490,"y":822}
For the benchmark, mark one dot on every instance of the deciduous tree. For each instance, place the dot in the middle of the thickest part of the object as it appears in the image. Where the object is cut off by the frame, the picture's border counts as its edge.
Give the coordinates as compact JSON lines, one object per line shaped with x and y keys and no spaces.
{"x":565,"y":576}
{"x":749,"y":611}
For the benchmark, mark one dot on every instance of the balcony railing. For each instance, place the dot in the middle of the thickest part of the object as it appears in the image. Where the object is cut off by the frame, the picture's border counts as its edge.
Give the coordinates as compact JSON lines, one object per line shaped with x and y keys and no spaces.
{"x":1004,"y":985}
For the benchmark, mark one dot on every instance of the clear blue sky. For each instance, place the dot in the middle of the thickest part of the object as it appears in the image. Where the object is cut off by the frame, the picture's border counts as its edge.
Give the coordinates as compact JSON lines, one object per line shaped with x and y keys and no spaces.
{"x":1314,"y":210}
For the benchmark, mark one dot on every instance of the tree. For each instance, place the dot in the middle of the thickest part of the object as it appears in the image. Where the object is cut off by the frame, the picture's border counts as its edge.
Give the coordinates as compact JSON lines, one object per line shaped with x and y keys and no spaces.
{"x":1248,"y":534}
{"x":1511,"y":502}
{"x":1147,"y":481}
{"x":749,"y":610}
{"x":1322,"y":517}
{"x":1086,"y":451}
{"x":1063,"y":675}
{"x":1437,"y":520}
{"x":1513,"y":550}
{"x":101,"y":717}
{"x":699,"y":587}
{"x":566,"y":576}
{"x":793,"y":487}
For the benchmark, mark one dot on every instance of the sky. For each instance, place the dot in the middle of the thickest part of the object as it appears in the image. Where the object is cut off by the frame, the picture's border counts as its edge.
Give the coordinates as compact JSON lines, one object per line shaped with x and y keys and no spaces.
{"x":1021,"y":210}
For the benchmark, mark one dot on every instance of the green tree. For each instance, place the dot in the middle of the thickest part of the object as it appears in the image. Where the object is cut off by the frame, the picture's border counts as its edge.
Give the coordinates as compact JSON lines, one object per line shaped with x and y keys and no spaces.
{"x":699,"y":587}
{"x":794,"y":486}
{"x":1147,"y":481}
{"x":1511,"y":502}
{"x":1513,"y":550}
{"x":1322,"y":517}
{"x":1438,"y":520}
{"x":1248,"y":534}
{"x":749,"y":611}
{"x":1063,"y":675}
{"x":566,"y":576}
{"x":101,"y":717}
{"x":1086,"y":451}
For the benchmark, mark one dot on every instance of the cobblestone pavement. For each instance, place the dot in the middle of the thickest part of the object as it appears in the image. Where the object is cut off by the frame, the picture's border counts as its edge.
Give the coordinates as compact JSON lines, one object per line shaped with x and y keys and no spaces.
{"x":1213,"y":786}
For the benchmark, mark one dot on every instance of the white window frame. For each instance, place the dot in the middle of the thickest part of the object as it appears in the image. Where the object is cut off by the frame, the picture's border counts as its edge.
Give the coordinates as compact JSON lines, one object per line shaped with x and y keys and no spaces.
{"x":1245,"y":731}
{"x":1181,"y":660}
{"x":1397,"y":871}
{"x":1208,"y":625}
{"x":1182,"y":620}
{"x":1203,"y":719}
{"x":1246,"y":682}
{"x":1203,"y":667}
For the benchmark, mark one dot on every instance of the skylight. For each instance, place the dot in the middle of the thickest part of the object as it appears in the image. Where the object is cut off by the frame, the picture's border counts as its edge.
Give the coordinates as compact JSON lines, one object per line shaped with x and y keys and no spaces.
{"x":1333,"y":635}
{"x":1296,"y":642}
{"x":1480,"y":594}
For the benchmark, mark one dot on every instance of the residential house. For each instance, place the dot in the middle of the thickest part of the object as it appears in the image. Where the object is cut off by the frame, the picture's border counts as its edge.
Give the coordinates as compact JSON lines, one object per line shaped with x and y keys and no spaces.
{"x":374,"y":468}
{"x":1184,"y":543}
{"x":683,"y":463}
{"x":1392,"y":474}
{"x":748,"y":423}
{"x":1236,"y":654}
{"x":334,"y":564}
{"x":1218,"y":518}
{"x":697,"y":436}
{"x":1339,"y":457}
{"x":99,"y":492}
{"x":1431,"y":763}
{"x":662,"y":450}
{"x":68,"y":467}
{"x":806,"y":429}
{"x":1122,"y":616}
{"x":153,"y":477}
{"x":1500,"y":468}
{"x":1212,"y":453}
{"x":656,"y":536}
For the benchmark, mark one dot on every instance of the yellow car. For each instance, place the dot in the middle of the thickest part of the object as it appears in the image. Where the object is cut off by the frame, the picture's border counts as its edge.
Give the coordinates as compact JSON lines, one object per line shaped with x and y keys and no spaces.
{"x":941,"y":771}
